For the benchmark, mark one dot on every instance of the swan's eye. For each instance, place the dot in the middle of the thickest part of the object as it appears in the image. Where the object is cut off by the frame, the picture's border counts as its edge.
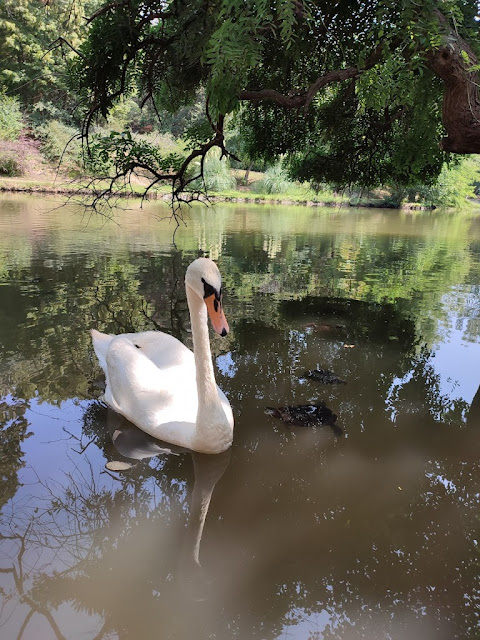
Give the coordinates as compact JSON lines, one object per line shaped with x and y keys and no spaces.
{"x":208,"y":291}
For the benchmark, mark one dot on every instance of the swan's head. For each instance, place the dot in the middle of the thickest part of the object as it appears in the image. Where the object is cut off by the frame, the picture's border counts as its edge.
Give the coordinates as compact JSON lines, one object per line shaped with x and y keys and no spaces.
{"x":204,"y":278}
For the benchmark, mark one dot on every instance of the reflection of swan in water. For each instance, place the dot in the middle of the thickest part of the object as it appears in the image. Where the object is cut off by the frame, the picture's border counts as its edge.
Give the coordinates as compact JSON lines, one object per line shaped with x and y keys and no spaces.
{"x":161,"y":386}
{"x":473,"y":416}
{"x":136,"y":445}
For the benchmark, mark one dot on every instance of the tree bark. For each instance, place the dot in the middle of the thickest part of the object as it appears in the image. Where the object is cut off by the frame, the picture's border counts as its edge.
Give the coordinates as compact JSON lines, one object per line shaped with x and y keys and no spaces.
{"x":452,"y":62}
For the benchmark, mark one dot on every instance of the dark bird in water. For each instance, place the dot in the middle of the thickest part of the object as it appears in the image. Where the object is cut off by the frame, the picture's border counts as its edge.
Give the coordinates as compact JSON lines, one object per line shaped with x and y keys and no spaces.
{"x":322,"y":375}
{"x":306,"y":415}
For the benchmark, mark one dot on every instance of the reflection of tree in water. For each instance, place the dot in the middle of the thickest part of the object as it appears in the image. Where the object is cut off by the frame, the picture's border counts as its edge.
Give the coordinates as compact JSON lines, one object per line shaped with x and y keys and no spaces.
{"x":473,"y":416}
{"x":113,"y":551}
{"x":294,"y":537}
{"x":419,"y":391}
{"x":398,"y":364}
{"x":13,"y":431}
{"x":427,"y":432}
{"x":62,"y":296}
{"x":53,"y":362}
{"x":275,"y":545}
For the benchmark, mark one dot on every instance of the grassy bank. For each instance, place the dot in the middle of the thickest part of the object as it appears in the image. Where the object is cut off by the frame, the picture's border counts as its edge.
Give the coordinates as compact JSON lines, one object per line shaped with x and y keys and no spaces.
{"x":304,"y":197}
{"x":40,"y":176}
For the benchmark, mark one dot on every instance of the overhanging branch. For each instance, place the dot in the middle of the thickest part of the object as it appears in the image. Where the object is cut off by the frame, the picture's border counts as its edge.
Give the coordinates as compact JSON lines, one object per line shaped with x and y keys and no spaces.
{"x":185,"y":186}
{"x":454,"y":62}
{"x":297,"y":100}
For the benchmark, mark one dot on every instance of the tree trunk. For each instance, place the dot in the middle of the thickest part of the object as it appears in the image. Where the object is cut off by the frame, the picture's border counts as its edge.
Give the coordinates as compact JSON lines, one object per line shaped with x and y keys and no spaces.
{"x":247,"y":173}
{"x":461,"y":99}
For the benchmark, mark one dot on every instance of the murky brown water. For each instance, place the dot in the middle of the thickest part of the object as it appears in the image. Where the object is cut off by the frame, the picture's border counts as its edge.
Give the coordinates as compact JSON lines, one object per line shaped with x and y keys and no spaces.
{"x":309,"y":535}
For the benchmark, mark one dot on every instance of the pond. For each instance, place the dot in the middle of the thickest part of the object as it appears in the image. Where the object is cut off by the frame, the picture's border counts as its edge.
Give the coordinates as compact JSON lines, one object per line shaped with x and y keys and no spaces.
{"x":366,"y":530}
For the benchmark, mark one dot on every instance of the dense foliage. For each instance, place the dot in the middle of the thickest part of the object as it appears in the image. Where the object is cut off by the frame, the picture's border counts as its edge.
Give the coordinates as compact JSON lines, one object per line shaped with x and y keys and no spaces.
{"x":346,"y":92}
{"x":10,"y":118}
{"x":34,"y":52}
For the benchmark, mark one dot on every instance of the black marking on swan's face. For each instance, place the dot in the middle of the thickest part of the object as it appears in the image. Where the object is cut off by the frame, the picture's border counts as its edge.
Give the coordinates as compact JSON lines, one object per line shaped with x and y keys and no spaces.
{"x":137,"y":345}
{"x":208,"y":291}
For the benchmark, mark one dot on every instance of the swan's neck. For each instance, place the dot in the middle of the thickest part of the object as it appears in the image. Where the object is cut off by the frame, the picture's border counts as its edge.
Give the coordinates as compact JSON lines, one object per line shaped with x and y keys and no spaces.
{"x":211,"y":415}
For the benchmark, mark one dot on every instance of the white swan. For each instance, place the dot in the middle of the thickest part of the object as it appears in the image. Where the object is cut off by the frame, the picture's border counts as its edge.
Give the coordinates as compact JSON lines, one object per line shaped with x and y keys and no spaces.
{"x":160,"y":385}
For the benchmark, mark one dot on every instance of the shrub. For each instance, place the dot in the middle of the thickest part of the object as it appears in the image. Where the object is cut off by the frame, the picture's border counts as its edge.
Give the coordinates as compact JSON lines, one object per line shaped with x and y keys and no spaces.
{"x":60,"y":144}
{"x":276,"y":180}
{"x":10,"y":118}
{"x":454,"y":185}
{"x":123,"y":115}
{"x":10,"y":165}
{"x":217,"y":174}
{"x":164,"y":142}
{"x":43,"y":111}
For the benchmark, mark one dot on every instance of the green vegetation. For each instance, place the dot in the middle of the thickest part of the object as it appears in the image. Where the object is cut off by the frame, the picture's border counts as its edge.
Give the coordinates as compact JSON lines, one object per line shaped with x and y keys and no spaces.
{"x":276,"y":180}
{"x":345,"y":94}
{"x":216,"y":173}
{"x":334,"y":99}
{"x":61,"y":145}
{"x":10,"y":165}
{"x":10,"y":128}
{"x":454,"y":184}
{"x":33,"y":59}
{"x":10,"y":118}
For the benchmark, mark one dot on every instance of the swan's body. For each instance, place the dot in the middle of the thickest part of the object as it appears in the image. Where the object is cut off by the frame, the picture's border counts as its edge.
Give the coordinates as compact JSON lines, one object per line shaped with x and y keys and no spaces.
{"x":167,"y":390}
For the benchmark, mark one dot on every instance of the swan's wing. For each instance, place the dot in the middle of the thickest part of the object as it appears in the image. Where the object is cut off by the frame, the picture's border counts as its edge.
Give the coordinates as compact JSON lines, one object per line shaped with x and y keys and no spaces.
{"x":151,"y":380}
{"x":145,"y":393}
{"x":161,"y":348}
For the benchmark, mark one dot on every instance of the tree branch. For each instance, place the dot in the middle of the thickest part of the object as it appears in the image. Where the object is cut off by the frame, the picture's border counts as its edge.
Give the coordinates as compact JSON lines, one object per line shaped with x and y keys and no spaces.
{"x":60,"y":42}
{"x":296,"y":100}
{"x":25,"y":623}
{"x":454,"y":62}
{"x":106,"y":8}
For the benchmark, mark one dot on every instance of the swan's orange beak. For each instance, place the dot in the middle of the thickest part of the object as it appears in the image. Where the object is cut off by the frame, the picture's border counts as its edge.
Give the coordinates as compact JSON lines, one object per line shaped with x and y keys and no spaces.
{"x":217,"y":317}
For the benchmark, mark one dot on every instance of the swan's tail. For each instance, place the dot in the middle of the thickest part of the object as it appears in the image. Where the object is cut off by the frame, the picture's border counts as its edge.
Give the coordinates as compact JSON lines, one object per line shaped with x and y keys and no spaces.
{"x":100,"y":346}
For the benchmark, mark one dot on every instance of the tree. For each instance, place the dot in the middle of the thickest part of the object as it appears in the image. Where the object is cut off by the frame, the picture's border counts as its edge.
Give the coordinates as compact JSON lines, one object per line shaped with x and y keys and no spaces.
{"x":13,"y":431}
{"x":345,"y":91}
{"x":33,"y":61}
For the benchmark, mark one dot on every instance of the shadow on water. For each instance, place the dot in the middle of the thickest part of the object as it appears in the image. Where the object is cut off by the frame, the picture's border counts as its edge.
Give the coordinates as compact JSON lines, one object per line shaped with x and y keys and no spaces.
{"x":473,"y":416}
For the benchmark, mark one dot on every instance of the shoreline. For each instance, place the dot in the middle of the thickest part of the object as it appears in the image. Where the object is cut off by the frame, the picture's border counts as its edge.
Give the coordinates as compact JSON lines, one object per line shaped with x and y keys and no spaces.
{"x":257,"y":199}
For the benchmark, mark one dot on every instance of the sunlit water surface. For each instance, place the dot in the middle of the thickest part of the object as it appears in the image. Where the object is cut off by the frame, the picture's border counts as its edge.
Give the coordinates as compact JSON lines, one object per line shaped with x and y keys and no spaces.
{"x":309,"y":535}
